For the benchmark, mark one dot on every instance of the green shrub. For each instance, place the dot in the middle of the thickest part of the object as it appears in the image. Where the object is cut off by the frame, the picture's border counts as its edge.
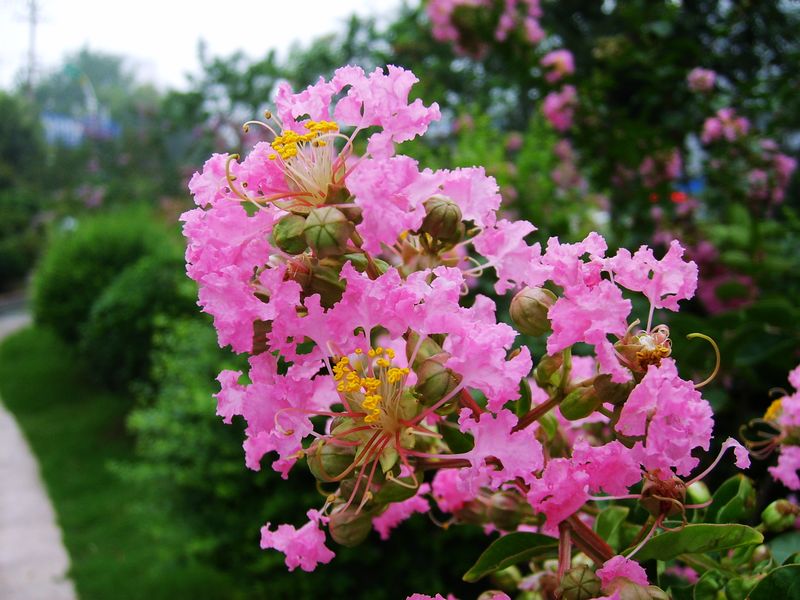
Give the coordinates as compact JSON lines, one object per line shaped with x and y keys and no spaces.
{"x":77,"y":265}
{"x":20,"y":236}
{"x":193,"y":466}
{"x":117,"y":338}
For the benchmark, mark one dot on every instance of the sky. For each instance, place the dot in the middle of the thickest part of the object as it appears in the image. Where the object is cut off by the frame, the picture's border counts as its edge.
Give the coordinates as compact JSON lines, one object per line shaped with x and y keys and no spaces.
{"x":161,"y":36}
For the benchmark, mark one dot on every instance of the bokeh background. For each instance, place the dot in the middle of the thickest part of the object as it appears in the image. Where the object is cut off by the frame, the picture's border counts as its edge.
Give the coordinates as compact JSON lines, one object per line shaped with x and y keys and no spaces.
{"x":106,"y":110}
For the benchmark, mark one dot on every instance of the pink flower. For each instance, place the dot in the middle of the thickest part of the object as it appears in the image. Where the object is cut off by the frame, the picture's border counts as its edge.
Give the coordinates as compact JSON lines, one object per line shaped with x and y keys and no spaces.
{"x":476,"y":194}
{"x":786,"y":471}
{"x":479,"y":349}
{"x":512,"y":258}
{"x":390,"y":193}
{"x":275,"y":407}
{"x":559,"y":107}
{"x":588,"y":315}
{"x":724,"y":124}
{"x":449,"y":490}
{"x":224,"y":247}
{"x":618,"y":570}
{"x":397,"y":512}
{"x":560,"y":492}
{"x":794,"y":377}
{"x":304,"y":547}
{"x":519,"y":452}
{"x":672,"y":415}
{"x":611,"y":467}
{"x":560,"y":63}
{"x":664,"y":281}
{"x":701,"y":80}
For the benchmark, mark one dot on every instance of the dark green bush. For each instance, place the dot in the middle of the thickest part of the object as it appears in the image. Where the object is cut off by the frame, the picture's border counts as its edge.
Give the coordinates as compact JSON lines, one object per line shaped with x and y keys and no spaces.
{"x":20,"y":235}
{"x":117,"y":338}
{"x":78,"y":265}
{"x":210,"y":504}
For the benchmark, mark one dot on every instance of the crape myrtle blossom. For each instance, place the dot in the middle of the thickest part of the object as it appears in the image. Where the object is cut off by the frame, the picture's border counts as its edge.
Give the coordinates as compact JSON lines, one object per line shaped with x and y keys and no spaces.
{"x":701,"y":80}
{"x":344,"y":277}
{"x":559,"y":107}
{"x":558,"y":64}
{"x":783,"y":417}
{"x":516,"y":14}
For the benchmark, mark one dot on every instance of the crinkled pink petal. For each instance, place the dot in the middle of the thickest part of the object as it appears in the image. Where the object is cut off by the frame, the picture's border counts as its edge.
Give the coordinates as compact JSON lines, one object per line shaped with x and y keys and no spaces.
{"x":674,"y":417}
{"x":397,"y":512}
{"x":559,"y":493}
{"x":664,"y":281}
{"x":619,"y":567}
{"x":514,"y":261}
{"x":786,"y":471}
{"x":610,"y":467}
{"x":519,"y":451}
{"x":304,"y":547}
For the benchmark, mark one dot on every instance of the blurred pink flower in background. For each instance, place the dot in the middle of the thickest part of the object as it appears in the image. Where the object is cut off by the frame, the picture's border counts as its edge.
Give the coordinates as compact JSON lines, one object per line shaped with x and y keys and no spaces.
{"x":559,"y":64}
{"x":701,"y":80}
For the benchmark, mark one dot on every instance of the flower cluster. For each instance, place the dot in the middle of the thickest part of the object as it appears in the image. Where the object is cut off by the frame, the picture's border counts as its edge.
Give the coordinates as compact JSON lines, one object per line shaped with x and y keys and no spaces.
{"x":455,"y":21}
{"x":782,"y":419}
{"x":345,"y":278}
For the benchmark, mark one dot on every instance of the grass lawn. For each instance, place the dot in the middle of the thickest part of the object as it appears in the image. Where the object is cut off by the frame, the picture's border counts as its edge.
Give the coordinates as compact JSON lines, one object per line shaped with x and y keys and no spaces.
{"x":76,"y":432}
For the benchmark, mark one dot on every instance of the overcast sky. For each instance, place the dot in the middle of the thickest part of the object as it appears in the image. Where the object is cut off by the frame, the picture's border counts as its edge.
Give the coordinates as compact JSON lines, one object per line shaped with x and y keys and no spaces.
{"x":161,"y":35}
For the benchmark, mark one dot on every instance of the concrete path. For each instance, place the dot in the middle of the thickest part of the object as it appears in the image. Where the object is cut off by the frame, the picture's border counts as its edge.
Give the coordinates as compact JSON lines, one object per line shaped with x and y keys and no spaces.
{"x":33,"y":560}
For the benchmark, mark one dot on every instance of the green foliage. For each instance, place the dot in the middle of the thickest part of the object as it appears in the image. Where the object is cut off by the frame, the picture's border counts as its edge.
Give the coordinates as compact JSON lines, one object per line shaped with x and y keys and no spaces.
{"x":79,"y":264}
{"x":698,"y":539}
{"x":509,"y":550}
{"x":783,"y":582}
{"x":20,"y":235}
{"x":117,"y":337}
{"x":75,"y":430}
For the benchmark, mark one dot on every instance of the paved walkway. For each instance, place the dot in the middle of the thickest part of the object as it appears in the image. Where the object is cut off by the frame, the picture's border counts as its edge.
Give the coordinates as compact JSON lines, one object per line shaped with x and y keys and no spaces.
{"x":33,"y":561}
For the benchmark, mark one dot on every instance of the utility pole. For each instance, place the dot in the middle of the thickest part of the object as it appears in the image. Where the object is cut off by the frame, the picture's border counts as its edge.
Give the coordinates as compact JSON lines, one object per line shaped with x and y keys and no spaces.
{"x":33,"y":21}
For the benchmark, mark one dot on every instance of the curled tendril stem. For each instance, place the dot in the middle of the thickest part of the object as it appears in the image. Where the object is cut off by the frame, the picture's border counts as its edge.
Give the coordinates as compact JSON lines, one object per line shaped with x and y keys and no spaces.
{"x":711,"y":377}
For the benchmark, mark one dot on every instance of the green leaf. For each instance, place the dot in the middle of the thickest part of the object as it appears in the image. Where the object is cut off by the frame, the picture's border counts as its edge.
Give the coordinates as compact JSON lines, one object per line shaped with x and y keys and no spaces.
{"x":524,"y":402}
{"x":458,"y":442}
{"x":509,"y":550}
{"x":784,"y":545}
{"x":392,"y":491}
{"x":695,"y":539}
{"x":708,"y":585}
{"x":733,"y":502}
{"x":608,"y":525}
{"x":781,"y":583}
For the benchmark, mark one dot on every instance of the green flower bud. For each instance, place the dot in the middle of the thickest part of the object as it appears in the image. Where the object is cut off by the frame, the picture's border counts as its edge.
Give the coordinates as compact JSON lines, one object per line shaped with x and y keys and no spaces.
{"x":442,"y":220}
{"x":548,"y":372}
{"x":579,"y":583}
{"x":580,"y":403}
{"x":327,"y":231}
{"x":288,"y":234}
{"x":426,"y":349}
{"x":349,"y":528}
{"x":529,"y":310}
{"x":656,"y":593}
{"x":328,"y":461}
{"x":434,"y":380}
{"x":325,"y":280}
{"x":780,"y":515}
{"x":629,"y":590}
{"x":698,"y":493}
{"x":614,"y":393}
{"x":506,"y":579}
